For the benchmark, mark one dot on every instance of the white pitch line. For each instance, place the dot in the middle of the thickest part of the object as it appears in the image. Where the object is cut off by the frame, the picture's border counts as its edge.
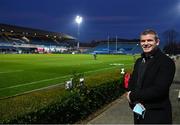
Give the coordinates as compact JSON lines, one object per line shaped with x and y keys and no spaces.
{"x":11,"y":71}
{"x":116,"y":64}
{"x":47,"y":80}
{"x":35,"y":82}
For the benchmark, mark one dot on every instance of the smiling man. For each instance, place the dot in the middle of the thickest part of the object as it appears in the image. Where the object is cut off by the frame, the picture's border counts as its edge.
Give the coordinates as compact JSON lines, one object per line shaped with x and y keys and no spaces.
{"x":150,"y":82}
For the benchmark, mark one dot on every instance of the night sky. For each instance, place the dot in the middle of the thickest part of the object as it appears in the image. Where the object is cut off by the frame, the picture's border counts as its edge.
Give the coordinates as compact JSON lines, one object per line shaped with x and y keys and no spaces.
{"x":124,"y":18}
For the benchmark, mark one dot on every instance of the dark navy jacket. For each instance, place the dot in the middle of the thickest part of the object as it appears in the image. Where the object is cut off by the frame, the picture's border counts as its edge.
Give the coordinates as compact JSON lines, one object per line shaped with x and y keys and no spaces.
{"x":153,"y":91}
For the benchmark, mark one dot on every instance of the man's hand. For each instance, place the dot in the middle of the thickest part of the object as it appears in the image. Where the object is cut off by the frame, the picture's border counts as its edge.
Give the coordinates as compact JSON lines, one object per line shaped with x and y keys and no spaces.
{"x":127,"y":96}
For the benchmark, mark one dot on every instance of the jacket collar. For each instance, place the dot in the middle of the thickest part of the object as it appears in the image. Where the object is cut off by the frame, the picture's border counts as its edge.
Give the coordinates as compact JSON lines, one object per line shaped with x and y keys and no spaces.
{"x":153,"y":54}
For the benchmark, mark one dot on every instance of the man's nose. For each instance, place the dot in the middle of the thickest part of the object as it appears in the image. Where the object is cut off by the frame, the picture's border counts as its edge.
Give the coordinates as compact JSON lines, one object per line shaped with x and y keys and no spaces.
{"x":145,"y":42}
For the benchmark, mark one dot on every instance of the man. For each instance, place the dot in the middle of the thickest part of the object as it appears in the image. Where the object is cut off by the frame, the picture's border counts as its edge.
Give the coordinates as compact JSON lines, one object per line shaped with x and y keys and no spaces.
{"x":150,"y":82}
{"x":94,"y":55}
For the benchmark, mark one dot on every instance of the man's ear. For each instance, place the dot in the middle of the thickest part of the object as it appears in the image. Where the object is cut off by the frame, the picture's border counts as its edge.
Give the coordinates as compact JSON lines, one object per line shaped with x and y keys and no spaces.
{"x":157,"y":42}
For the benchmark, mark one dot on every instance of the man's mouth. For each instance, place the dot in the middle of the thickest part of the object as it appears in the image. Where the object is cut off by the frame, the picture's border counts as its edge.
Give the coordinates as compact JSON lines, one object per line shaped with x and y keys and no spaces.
{"x":146,"y":46}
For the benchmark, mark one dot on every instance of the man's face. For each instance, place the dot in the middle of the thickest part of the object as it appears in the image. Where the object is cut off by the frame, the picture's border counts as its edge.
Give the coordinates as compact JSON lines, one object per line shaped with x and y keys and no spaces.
{"x":148,"y":42}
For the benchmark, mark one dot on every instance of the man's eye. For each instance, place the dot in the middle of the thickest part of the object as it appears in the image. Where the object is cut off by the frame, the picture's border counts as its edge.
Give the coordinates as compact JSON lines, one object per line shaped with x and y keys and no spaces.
{"x":149,"y":40}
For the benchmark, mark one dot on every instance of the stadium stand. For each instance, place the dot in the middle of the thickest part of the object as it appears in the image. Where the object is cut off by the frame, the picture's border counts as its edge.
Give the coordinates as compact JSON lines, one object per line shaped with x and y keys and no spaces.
{"x":15,"y":39}
{"x":121,"y":46}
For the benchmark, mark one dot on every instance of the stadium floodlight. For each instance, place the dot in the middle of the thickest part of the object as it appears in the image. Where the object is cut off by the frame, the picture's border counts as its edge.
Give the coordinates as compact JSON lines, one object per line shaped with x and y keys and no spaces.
{"x":78,"y":20}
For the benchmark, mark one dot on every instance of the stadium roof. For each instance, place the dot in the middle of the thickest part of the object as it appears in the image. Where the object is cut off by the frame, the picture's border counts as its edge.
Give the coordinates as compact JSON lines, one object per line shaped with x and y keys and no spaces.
{"x":30,"y":32}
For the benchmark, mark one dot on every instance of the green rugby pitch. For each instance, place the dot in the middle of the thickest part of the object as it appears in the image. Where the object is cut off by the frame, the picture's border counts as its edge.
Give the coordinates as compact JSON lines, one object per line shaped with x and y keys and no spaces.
{"x":21,"y":73}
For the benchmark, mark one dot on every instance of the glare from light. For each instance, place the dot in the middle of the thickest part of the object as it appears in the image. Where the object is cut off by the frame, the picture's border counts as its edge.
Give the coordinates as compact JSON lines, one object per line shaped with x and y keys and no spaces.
{"x":78,"y":19}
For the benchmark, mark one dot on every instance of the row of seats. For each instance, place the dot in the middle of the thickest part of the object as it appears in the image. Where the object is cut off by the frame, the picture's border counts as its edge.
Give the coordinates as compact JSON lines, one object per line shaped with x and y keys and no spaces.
{"x":18,"y":41}
{"x":125,"y":48}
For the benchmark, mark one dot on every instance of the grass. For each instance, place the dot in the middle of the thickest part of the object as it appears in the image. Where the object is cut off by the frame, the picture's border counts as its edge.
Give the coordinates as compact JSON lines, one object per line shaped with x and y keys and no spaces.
{"x":27,"y":72}
{"x":11,"y":108}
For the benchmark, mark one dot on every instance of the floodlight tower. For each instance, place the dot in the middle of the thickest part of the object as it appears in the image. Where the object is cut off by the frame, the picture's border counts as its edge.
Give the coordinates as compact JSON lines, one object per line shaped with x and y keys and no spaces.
{"x":78,"y":20}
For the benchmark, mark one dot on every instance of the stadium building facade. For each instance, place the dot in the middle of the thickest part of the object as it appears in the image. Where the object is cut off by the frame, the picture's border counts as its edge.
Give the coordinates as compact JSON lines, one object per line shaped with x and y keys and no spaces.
{"x":15,"y":39}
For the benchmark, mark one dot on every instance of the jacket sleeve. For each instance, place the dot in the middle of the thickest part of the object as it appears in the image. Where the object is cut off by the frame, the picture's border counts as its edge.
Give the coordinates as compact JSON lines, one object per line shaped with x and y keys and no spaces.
{"x":132,"y":81}
{"x":161,"y":85}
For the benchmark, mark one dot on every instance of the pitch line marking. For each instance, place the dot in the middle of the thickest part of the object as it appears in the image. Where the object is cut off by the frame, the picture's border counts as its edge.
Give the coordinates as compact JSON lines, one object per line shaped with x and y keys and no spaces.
{"x":35,"y":82}
{"x":11,"y":71}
